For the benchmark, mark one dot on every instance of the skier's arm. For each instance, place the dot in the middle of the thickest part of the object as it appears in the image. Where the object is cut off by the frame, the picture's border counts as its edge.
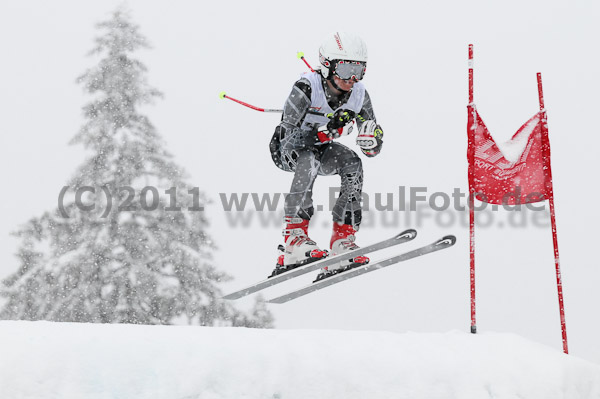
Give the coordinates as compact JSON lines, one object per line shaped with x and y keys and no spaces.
{"x":289,"y":135}
{"x":297,"y":103}
{"x":366,"y":113}
{"x":370,"y":136}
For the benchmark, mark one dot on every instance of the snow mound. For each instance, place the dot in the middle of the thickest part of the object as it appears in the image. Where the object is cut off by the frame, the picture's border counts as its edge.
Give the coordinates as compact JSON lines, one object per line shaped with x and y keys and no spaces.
{"x":64,"y":360}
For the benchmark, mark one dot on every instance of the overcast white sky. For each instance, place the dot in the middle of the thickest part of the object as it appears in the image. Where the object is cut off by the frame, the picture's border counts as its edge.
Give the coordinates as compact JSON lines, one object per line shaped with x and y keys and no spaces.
{"x":417,"y":78}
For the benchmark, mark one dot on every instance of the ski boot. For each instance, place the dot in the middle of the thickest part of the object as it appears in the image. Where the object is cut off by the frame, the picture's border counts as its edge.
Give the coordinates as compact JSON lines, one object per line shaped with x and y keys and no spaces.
{"x":299,"y":249}
{"x":342,"y":241}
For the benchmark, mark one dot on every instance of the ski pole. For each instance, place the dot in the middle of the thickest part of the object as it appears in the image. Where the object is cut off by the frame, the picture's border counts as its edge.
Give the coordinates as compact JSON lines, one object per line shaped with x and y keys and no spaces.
{"x":310,"y":110}
{"x":224,"y":95}
{"x":301,"y":56}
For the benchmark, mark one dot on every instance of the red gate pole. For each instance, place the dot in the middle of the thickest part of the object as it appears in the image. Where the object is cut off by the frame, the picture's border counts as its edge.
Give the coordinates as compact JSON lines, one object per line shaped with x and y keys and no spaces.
{"x":470,"y":74}
{"x":471,"y":156}
{"x":550,"y":189}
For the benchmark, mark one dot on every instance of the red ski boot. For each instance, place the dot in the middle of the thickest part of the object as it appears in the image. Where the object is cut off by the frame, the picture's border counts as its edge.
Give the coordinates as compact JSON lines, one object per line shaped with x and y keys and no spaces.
{"x":342,"y":241}
{"x":299,"y":248}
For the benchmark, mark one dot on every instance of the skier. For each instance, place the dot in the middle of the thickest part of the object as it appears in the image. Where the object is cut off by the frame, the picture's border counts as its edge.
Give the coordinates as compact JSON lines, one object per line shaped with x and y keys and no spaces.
{"x":303,"y":143}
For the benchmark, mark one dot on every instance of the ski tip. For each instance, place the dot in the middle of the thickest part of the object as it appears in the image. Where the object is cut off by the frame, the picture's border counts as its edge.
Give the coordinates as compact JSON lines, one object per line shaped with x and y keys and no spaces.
{"x":300,"y":54}
{"x":448,"y":240}
{"x":222,"y":94}
{"x":410,"y":233}
{"x":233,"y":295}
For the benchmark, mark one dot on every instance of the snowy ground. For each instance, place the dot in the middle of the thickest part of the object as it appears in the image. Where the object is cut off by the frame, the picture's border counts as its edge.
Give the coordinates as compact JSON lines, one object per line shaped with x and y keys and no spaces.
{"x":418,"y":83}
{"x":62,"y":360}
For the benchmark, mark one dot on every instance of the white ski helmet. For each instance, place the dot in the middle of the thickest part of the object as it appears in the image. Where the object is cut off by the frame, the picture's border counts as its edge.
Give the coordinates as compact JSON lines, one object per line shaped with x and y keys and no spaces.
{"x":341,"y":46}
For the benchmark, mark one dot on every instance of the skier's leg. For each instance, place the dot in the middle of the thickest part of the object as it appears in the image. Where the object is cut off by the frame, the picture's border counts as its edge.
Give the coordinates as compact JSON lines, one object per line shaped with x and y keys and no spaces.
{"x":347,"y":212}
{"x":339,"y":159}
{"x":299,"y":248}
{"x":298,"y":202}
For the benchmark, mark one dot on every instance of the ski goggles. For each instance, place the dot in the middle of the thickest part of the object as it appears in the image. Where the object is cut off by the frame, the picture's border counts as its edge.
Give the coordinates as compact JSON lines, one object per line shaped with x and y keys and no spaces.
{"x":347,"y":70}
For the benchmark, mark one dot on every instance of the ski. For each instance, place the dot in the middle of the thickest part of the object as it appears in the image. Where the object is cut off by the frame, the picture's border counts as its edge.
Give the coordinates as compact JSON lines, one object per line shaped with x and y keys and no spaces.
{"x":403,"y":237}
{"x":442,"y":243}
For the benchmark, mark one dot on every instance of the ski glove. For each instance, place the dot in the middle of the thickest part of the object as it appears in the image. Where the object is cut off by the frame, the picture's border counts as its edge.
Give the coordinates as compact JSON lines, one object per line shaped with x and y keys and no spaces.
{"x":342,"y":123}
{"x":339,"y":119}
{"x":370,"y":138}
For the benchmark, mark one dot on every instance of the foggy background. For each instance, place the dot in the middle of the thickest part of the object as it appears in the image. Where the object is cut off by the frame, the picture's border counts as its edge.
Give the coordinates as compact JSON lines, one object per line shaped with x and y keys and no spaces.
{"x":417,"y":79}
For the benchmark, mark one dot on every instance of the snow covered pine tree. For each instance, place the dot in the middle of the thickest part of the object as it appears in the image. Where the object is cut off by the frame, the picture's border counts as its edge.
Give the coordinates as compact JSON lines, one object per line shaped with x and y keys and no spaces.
{"x":129,"y":265}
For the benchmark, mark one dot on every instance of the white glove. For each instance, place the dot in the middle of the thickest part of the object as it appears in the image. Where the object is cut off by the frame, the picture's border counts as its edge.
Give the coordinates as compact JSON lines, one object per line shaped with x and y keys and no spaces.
{"x":369,"y":136}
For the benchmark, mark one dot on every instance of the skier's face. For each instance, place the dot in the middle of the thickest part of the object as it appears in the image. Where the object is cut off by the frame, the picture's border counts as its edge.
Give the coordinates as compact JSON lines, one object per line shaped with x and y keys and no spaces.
{"x":345,"y":85}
